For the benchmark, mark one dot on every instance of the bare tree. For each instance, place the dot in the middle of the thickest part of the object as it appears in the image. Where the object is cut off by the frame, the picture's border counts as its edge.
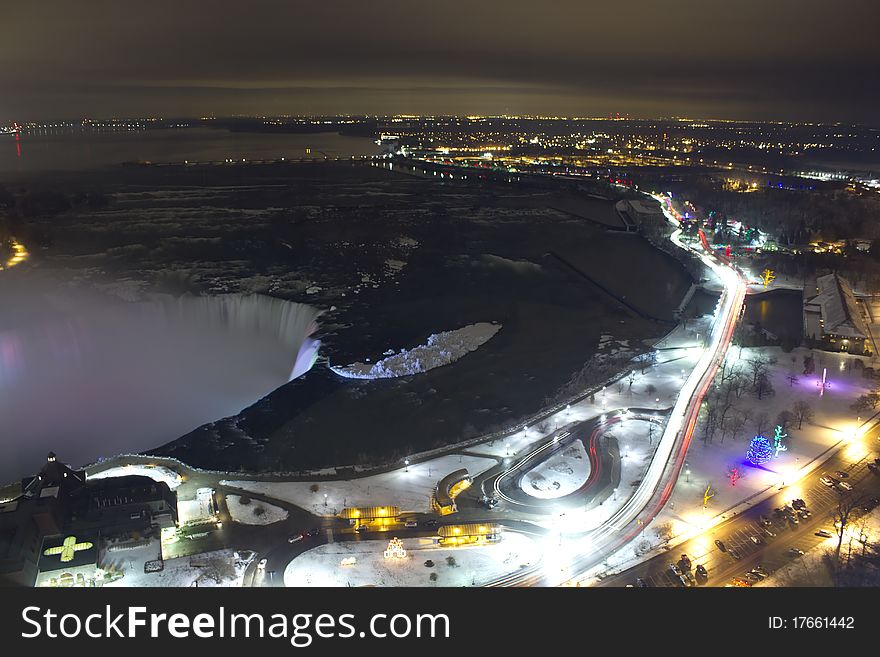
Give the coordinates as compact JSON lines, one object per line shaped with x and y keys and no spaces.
{"x":217,"y":569}
{"x":762,"y":423}
{"x":758,"y":365}
{"x":803,"y":412}
{"x":866,"y":402}
{"x":763,"y":387}
{"x":737,"y":422}
{"x":785,"y":419}
{"x":842,"y":515}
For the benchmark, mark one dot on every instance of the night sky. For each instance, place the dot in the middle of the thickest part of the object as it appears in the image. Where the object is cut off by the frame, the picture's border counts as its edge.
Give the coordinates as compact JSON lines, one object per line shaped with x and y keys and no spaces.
{"x":750,"y":59}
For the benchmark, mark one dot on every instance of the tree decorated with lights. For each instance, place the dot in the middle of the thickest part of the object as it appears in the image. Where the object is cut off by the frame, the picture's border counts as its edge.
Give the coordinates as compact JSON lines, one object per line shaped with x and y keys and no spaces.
{"x":734,"y":474}
{"x":767,"y":277}
{"x":760,"y":450}
{"x":708,"y":495}
{"x":777,"y":441}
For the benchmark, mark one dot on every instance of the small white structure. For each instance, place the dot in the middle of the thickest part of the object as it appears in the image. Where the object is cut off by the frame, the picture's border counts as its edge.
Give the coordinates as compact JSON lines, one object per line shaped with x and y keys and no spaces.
{"x":395,"y":549}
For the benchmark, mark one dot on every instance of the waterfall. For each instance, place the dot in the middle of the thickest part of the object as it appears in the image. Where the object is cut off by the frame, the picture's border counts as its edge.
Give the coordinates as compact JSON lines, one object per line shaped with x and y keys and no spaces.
{"x":127,"y":377}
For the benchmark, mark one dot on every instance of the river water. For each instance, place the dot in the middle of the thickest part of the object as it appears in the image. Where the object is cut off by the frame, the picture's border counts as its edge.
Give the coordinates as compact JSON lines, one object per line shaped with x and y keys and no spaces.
{"x":64,"y":150}
{"x":86,"y":377}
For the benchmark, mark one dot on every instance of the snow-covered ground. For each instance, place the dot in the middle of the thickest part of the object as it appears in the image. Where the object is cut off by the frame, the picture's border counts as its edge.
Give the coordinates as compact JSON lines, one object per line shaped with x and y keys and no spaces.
{"x":217,"y":568}
{"x":560,"y":475}
{"x":473,"y":565}
{"x":154,"y":472}
{"x":834,"y":424}
{"x":409,"y":488}
{"x":637,"y":443}
{"x":441,"y":349}
{"x":255,"y":512}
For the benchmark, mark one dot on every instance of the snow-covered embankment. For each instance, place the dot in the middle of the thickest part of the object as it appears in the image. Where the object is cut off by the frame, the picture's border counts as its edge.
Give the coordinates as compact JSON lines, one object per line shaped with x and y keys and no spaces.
{"x":441,"y":349}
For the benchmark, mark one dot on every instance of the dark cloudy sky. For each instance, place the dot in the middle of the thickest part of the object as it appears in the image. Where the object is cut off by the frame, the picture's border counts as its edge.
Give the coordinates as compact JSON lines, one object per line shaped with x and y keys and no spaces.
{"x":786,"y":59}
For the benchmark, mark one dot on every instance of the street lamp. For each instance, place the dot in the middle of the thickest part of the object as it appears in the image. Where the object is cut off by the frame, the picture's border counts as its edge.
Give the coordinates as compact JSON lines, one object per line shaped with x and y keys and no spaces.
{"x":687,"y":472}
{"x":406,"y":465}
{"x":325,"y":499}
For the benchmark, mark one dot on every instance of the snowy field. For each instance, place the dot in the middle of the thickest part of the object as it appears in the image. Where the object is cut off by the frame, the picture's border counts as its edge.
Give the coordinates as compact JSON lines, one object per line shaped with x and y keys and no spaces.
{"x":833,"y":422}
{"x":560,"y":475}
{"x":833,"y":425}
{"x":218,"y":568}
{"x":472,"y":566}
{"x":408,"y":488}
{"x":255,"y":512}
{"x":156,"y":473}
{"x":441,"y":349}
{"x":637,"y":444}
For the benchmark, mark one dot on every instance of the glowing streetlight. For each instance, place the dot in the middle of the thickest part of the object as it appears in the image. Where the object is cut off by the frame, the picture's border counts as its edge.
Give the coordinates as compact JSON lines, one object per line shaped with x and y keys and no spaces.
{"x":406,"y":465}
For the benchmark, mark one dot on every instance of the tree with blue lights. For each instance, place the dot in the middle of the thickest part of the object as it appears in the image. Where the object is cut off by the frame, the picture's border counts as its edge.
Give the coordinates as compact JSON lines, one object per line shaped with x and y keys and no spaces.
{"x":760,"y":450}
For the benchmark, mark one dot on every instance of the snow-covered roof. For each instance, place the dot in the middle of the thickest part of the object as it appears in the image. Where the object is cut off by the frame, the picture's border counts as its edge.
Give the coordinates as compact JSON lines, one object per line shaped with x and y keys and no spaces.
{"x":838,"y":308}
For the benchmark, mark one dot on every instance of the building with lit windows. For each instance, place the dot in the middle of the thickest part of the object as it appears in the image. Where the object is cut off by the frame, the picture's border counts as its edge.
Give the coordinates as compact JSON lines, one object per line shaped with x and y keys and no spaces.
{"x":833,"y":319}
{"x":447,"y":489}
{"x":469,"y":534}
{"x":60,"y":521}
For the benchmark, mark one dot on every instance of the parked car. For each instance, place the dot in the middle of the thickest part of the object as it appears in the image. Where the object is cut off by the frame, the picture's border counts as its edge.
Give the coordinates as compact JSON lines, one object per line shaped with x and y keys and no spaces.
{"x":675,"y":569}
{"x":769,"y":533}
{"x":296,"y":538}
{"x":361,"y":528}
{"x":754,"y":577}
{"x":721,"y":545}
{"x":824,"y":533}
{"x":803,"y":514}
{"x":873,"y":467}
{"x":766,"y":521}
{"x":701,"y":571}
{"x":845,"y":486}
{"x":313,"y":532}
{"x":842,"y":474}
{"x":828,"y":481}
{"x":756,"y":540}
{"x":795,"y":551}
{"x":732,"y":552}
{"x":642,"y":584}
{"x":736,"y":581}
{"x":760,"y":570}
{"x":411,"y":523}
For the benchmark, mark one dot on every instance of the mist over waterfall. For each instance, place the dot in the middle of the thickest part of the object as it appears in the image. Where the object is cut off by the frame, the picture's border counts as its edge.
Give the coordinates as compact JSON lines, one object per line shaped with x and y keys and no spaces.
{"x":106,"y":378}
{"x":255,"y":314}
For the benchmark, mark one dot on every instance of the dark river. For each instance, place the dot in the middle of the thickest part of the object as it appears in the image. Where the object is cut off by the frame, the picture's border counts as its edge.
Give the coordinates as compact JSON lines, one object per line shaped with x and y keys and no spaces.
{"x":77,"y":151}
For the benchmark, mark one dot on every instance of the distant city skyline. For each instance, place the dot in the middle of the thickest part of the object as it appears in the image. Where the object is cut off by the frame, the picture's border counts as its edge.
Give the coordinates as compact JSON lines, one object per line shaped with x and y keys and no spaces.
{"x":748,"y":60}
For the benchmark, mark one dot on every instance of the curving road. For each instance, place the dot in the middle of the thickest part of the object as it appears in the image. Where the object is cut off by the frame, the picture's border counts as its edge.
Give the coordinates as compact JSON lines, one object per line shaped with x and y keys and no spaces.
{"x":589,"y":549}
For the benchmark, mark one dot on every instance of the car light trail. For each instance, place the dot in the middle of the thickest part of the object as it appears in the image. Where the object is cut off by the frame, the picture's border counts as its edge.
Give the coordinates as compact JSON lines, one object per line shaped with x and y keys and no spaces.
{"x":659,"y":480}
